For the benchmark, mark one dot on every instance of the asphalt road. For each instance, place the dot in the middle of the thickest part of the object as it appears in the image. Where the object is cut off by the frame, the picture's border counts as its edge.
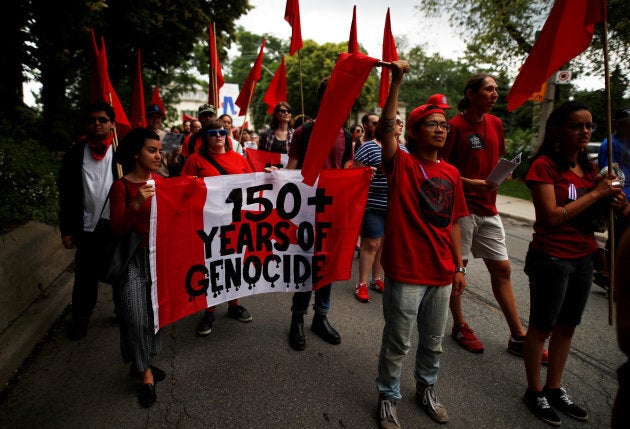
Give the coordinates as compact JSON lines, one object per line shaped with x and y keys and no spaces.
{"x":247,"y":376}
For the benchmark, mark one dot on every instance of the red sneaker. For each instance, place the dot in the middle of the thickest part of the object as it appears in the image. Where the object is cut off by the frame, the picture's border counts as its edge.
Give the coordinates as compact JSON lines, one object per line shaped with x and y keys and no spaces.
{"x":515,"y":346}
{"x":465,"y":337}
{"x":361,"y":292}
{"x":377,"y":285}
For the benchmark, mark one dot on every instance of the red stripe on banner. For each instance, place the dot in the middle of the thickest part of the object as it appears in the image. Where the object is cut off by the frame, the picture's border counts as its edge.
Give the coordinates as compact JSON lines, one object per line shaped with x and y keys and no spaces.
{"x":259,"y":159}
{"x":348,"y":189}
{"x":180,"y":203}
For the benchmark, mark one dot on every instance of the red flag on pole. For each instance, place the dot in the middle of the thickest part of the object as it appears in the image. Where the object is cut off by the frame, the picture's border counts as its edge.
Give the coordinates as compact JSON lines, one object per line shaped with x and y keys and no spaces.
{"x":138,"y":110}
{"x":95,"y":84}
{"x":277,"y":90}
{"x":107,"y":93}
{"x":292,"y":16}
{"x":344,"y":87}
{"x":353,"y":43}
{"x":244,"y":97}
{"x":567,"y":33}
{"x":156,"y":99}
{"x":216,"y":80}
{"x":389,"y":54}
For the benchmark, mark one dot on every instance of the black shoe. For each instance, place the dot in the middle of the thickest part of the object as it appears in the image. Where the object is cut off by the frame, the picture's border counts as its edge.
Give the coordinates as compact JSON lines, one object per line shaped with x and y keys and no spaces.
{"x":296,"y":334}
{"x":539,"y":406}
{"x":146,"y":395}
{"x":205,"y":324}
{"x":326,"y":332}
{"x":559,"y":399}
{"x":77,"y":330}
{"x":239,"y":313}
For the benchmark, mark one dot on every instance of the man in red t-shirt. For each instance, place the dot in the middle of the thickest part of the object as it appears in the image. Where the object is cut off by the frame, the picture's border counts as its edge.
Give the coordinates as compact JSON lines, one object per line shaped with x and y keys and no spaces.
{"x":421,"y":253}
{"x":475,"y":144}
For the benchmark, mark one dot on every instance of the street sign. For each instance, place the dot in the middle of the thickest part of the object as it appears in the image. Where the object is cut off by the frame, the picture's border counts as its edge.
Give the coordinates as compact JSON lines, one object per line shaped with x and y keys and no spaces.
{"x":563,"y":77}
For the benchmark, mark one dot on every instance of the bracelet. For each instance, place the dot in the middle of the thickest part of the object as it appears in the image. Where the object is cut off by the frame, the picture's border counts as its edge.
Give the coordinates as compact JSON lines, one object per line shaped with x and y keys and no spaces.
{"x":565,"y":212}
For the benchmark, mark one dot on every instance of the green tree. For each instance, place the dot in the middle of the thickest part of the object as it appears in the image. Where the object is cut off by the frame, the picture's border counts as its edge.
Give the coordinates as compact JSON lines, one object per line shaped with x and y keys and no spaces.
{"x":502,"y":32}
{"x":318,"y":62}
{"x":166,"y":32}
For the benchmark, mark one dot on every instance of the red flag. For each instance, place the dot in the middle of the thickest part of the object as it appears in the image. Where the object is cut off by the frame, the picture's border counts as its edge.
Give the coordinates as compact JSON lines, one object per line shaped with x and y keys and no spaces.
{"x":277,"y":90}
{"x":247,"y":91}
{"x":216,"y":75}
{"x":185,"y":118}
{"x":259,"y":159}
{"x":292,"y":16}
{"x":353,"y":43}
{"x":95,"y":84}
{"x":567,"y":32}
{"x":344,"y":87}
{"x":156,"y":99}
{"x":138,"y":110}
{"x":107,"y":93}
{"x":389,"y":54}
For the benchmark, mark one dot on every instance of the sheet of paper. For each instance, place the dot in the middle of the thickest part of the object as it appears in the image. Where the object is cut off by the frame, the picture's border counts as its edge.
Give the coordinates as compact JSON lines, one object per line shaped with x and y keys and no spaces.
{"x":503,"y":169}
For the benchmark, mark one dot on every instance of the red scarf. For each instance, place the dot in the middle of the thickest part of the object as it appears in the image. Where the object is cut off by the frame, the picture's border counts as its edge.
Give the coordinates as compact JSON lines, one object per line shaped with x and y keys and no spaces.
{"x":98,"y":148}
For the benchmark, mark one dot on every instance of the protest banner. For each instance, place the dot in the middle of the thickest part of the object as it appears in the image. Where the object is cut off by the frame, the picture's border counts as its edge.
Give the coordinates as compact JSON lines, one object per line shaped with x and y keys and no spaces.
{"x":220,"y":238}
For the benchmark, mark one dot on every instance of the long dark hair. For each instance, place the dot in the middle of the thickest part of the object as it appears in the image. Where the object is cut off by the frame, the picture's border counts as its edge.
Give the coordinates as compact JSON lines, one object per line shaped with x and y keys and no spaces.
{"x":474,"y":83}
{"x":131,"y":145}
{"x":274,"y":121}
{"x":549,"y":145}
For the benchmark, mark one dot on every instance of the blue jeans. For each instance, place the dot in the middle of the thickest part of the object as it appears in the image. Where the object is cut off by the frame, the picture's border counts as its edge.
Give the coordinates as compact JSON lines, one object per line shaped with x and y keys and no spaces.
{"x":301,"y":300}
{"x":404,"y":304}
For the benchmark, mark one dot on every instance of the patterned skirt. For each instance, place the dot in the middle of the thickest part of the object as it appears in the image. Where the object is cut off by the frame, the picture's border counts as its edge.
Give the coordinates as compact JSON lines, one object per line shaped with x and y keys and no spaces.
{"x":138,"y":343}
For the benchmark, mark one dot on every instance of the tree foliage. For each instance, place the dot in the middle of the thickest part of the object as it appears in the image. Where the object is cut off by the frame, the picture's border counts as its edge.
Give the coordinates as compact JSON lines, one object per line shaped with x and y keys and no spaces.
{"x":317,"y":61}
{"x":165,"y":32}
{"x":502,"y":32}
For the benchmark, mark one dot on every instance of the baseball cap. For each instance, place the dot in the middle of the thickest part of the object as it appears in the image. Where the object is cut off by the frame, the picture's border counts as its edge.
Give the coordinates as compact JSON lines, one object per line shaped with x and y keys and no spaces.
{"x":439,"y":100}
{"x":206,"y":108}
{"x":421,"y":112}
{"x":154,"y":109}
{"x":621,"y":114}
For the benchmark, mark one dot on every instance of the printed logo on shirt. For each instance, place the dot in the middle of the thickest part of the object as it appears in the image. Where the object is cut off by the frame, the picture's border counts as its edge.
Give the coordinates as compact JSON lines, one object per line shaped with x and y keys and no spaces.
{"x":436,"y":201}
{"x":475,"y":142}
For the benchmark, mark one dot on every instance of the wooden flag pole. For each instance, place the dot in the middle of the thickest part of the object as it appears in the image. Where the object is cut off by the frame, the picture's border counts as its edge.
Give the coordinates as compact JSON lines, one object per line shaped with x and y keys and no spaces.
{"x":611,"y":220}
{"x":115,"y":142}
{"x":214,"y":83}
{"x":300,"y":77}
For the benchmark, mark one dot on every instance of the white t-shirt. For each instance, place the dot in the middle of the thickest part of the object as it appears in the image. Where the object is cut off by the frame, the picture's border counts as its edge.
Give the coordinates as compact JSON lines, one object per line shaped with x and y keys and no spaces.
{"x":97,"y":179}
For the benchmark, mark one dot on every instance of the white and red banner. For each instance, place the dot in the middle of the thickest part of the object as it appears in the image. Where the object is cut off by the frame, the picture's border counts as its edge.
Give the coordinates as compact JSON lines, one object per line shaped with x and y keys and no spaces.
{"x":220,"y":238}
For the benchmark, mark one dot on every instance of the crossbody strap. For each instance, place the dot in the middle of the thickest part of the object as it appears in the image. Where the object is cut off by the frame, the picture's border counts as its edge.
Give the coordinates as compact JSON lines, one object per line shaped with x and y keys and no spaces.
{"x":215,"y":164}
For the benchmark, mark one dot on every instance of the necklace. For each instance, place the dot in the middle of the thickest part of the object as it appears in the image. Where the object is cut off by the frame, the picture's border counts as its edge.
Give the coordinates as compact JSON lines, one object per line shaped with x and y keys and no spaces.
{"x":472,"y":124}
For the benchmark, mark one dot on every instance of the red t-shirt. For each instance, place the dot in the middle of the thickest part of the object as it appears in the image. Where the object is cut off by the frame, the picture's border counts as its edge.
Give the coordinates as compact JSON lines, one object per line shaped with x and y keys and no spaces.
{"x":232,"y":163}
{"x":124,"y":217}
{"x":566,"y":240}
{"x":424,"y":199}
{"x":335,"y":156}
{"x":475,"y":150}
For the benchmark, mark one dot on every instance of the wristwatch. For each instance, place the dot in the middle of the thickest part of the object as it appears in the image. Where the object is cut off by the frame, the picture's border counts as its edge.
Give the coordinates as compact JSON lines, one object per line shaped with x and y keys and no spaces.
{"x":461,"y":270}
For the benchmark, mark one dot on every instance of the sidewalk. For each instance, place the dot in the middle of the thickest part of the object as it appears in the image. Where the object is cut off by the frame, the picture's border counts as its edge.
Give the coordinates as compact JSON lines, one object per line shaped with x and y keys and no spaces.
{"x":516,"y":208}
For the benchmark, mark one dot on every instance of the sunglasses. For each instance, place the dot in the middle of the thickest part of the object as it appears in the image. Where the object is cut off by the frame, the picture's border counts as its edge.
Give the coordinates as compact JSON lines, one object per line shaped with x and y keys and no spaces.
{"x":216,"y":133}
{"x":284,"y":111}
{"x":95,"y":119}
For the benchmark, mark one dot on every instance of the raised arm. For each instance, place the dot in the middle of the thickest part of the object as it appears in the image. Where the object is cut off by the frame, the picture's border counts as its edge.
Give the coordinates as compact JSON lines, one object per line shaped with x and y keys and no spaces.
{"x":388,"y":116}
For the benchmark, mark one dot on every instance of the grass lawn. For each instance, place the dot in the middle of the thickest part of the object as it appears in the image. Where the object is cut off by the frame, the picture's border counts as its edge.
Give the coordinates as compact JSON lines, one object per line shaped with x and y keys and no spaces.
{"x":515,"y":188}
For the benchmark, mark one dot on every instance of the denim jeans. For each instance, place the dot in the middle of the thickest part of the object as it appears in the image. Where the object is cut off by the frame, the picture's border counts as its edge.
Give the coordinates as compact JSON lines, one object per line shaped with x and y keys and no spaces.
{"x":404,"y":304}
{"x":301,"y":300}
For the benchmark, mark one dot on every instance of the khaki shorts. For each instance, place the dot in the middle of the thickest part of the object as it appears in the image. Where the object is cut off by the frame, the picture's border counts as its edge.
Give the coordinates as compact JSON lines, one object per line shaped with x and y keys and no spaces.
{"x":484,"y":236}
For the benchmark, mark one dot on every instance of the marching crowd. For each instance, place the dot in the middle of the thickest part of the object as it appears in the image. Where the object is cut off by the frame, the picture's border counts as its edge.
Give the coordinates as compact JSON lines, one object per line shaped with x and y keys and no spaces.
{"x":429,"y":210}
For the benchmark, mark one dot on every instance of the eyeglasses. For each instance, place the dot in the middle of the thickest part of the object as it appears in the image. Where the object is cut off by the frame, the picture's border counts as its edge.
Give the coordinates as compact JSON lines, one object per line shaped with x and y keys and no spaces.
{"x":432,"y":125}
{"x":358,"y":130}
{"x":399,"y":122}
{"x":95,"y":119}
{"x":284,"y":111}
{"x":373,"y":123}
{"x":578,"y":128}
{"x":215,"y":133}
